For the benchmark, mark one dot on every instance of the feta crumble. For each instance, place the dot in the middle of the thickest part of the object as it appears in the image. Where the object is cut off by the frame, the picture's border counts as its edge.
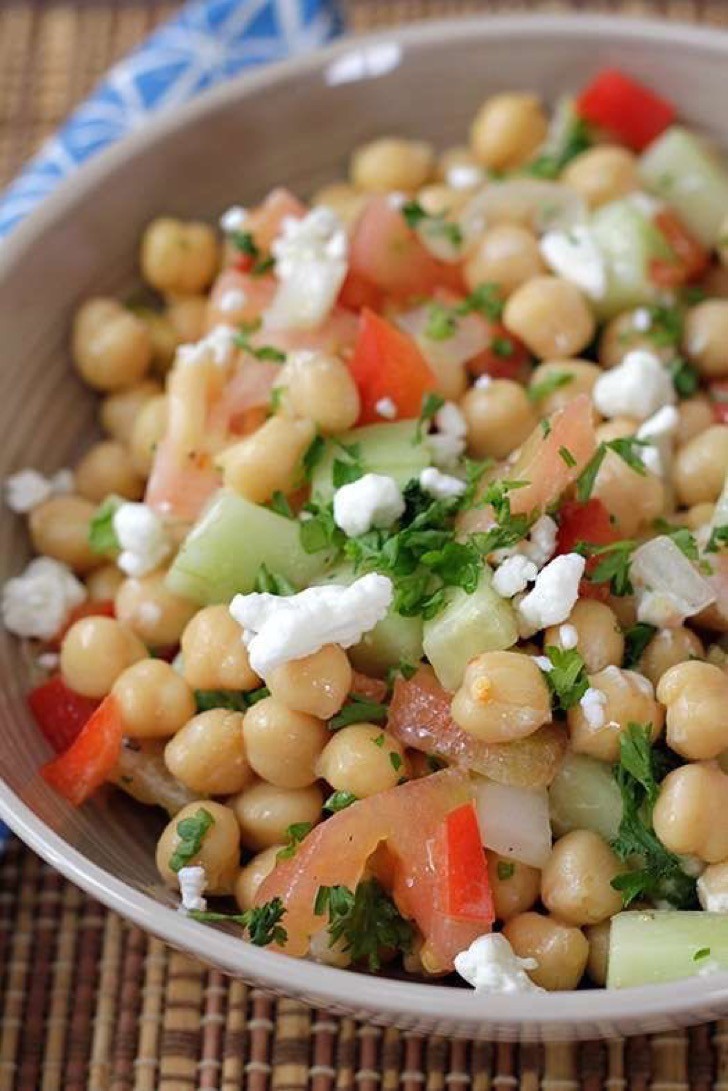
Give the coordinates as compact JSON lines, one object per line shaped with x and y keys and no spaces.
{"x":514,"y":575}
{"x":374,"y":500}
{"x":448,"y":443}
{"x":310,"y":263}
{"x":233,"y":219}
{"x":543,"y":663}
{"x":232,"y":300}
{"x":439,"y":485}
{"x":638,"y":387}
{"x":593,"y":704}
{"x":575,"y":256}
{"x":28,"y":488}
{"x":386,"y":408}
{"x":642,"y":320}
{"x":554,"y":593}
{"x":38,"y":602}
{"x":217,"y":347}
{"x":540,"y":545}
{"x":277,"y":628}
{"x":464,"y":176}
{"x":490,"y":965}
{"x":659,"y":430}
{"x":483,"y":382}
{"x":192,"y":885}
{"x":660,"y":608}
{"x":568,"y":636}
{"x":712,"y":899}
{"x":142,"y":539}
{"x":48,"y":661}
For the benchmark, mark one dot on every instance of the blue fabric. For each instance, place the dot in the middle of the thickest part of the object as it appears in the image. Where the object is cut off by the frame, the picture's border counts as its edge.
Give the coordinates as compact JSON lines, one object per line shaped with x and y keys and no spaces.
{"x":207,"y":42}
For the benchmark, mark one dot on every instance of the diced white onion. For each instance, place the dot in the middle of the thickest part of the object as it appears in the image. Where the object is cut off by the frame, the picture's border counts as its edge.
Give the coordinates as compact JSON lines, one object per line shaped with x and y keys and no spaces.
{"x":660,"y":567}
{"x":469,"y":338}
{"x":542,"y":206}
{"x":514,"y":821}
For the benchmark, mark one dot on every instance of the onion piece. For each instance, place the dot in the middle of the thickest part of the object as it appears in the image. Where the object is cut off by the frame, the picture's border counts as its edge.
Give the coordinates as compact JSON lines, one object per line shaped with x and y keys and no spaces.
{"x":470,"y":337}
{"x":542,"y":206}
{"x":514,"y":821}
{"x":667,"y":585}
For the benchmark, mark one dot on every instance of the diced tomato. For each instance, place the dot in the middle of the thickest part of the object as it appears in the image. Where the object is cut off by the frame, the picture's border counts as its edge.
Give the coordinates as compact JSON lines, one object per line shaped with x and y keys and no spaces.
{"x":374,"y":689}
{"x":587,"y":522}
{"x":86,"y":765}
{"x":467,"y":887}
{"x":255,"y":295}
{"x":626,"y":108}
{"x":357,"y":293}
{"x":249,"y":388}
{"x":89,"y":608}
{"x":180,"y":487}
{"x":506,"y":357}
{"x":59,"y":712}
{"x":388,"y":364}
{"x":718,"y":392}
{"x":541,"y":462}
{"x":691,"y":259}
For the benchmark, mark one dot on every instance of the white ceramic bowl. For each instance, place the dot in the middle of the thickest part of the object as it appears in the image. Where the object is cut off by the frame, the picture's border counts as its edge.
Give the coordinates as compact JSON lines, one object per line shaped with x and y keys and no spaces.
{"x":295,"y":123}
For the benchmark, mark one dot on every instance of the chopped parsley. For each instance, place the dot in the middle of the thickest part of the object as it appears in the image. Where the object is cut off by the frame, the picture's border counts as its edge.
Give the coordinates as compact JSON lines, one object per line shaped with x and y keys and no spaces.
{"x":485,"y":299}
{"x":543,"y":388}
{"x":441,"y":322}
{"x":502,"y":347}
{"x":279,"y":504}
{"x":685,"y":377}
{"x":232,"y":699}
{"x":101,"y":534}
{"x":339,"y":801}
{"x":576,"y":140}
{"x":349,"y":468}
{"x":191,"y":832}
{"x":636,"y":640}
{"x":318,"y":531}
{"x":566,"y":456}
{"x":272,"y":583}
{"x":261,"y":352}
{"x":505,"y":870}
{"x":313,"y":456}
{"x":567,"y":678}
{"x":246,"y":244}
{"x":379,"y":740}
{"x":701,"y":953}
{"x":626,"y":447}
{"x":432,"y":224}
{"x":295,"y":834}
{"x":396,"y":760}
{"x":718,"y":539}
{"x":431,"y":403}
{"x":358,"y":710}
{"x":262,"y":923}
{"x":365,"y":922}
{"x":614,"y":564}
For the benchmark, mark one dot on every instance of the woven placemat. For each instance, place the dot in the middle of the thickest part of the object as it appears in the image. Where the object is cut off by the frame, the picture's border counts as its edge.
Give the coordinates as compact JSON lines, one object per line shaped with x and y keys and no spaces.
{"x":89,"y":1002}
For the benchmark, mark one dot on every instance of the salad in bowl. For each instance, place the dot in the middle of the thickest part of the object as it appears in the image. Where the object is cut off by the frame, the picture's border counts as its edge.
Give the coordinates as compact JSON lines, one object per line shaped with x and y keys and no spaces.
{"x":399,"y":581}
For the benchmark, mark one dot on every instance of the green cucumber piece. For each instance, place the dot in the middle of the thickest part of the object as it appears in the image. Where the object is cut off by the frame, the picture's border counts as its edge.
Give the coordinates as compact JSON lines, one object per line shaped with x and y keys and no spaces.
{"x":652,"y":947}
{"x":467,"y":626}
{"x":391,"y":449}
{"x":629,"y":242}
{"x":221,"y":555}
{"x":680,"y":168}
{"x":584,"y":796}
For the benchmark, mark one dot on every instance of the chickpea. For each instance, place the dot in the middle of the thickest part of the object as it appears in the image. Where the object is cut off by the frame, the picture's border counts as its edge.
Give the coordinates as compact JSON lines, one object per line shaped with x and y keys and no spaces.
{"x":603,"y":174}
{"x":633,"y":500}
{"x":107,"y":468}
{"x":265,"y":811}
{"x":147,"y":432}
{"x":219,"y":851}
{"x":624,"y":608}
{"x":701,"y":465}
{"x":507,"y":130}
{"x":269,"y":460}
{"x":103,"y":583}
{"x":705,"y":340}
{"x":164,"y":339}
{"x":695,"y":696}
{"x":151,"y":610}
{"x":598,"y":964}
{"x":439,"y":199}
{"x":560,"y":950}
{"x":695,"y":415}
{"x":95,"y":651}
{"x":178,"y":258}
{"x":213,"y":653}
{"x":319,"y":387}
{"x":576,"y":884}
{"x":120,"y":410}
{"x":451,"y":377}
{"x":503,"y":697}
{"x":390,"y":163}
{"x":667,"y":648}
{"x":551,"y":316}
{"x":506,"y":255}
{"x":456,"y":156}
{"x":207,"y":754}
{"x":59,"y":528}
{"x":362,"y":759}
{"x":345,"y":200}
{"x":576,"y":377}
{"x":515,"y":886}
{"x":499,"y":418}
{"x":188,"y":317}
{"x":629,"y":698}
{"x":599,"y":639}
{"x":154,"y":700}
{"x":688,"y":813}
{"x":283,"y":746}
{"x":111,"y":347}
{"x":626,"y":332}
{"x":713,"y":884}
{"x":253,"y":875}
{"x":317,"y":684}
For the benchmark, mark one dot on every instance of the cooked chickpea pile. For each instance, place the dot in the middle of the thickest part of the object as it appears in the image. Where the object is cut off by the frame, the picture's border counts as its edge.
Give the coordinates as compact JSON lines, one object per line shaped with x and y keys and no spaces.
{"x":602,"y":401}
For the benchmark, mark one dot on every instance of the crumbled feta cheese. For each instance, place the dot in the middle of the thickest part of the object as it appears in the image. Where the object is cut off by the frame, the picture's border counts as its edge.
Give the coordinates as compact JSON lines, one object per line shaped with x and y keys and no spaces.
{"x":642,"y":320}
{"x":593,"y":704}
{"x":192,"y":885}
{"x":310,"y":264}
{"x":645,"y":203}
{"x":637,"y":387}
{"x":232,"y":300}
{"x":48,"y":661}
{"x":386,"y":408}
{"x":441,"y":486}
{"x":554,"y":593}
{"x":660,"y":430}
{"x":142,"y":539}
{"x":279,"y":628}
{"x":39,"y":602}
{"x":660,"y":608}
{"x":396,"y":199}
{"x":26,"y":489}
{"x":464,"y":176}
{"x":514,"y":575}
{"x":711,"y":897}
{"x":483,"y":382}
{"x":575,"y":256}
{"x":374,"y":500}
{"x":543,"y":663}
{"x":233,"y":219}
{"x":449,"y":419}
{"x":448,"y":443}
{"x":540,"y":545}
{"x":217,"y":347}
{"x":568,"y":636}
{"x":490,"y":965}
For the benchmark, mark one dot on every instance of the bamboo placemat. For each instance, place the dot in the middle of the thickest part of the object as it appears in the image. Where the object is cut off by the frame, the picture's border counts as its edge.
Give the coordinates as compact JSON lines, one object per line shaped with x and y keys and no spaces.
{"x":89,"y":1002}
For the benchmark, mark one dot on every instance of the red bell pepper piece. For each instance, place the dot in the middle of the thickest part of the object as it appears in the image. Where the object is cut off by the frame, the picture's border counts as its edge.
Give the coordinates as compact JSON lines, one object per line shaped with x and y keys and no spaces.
{"x":59,"y":712}
{"x":87,"y":763}
{"x":586,"y":522}
{"x":626,"y":108}
{"x":467,"y":885}
{"x":690,"y":259}
{"x":388,"y":364}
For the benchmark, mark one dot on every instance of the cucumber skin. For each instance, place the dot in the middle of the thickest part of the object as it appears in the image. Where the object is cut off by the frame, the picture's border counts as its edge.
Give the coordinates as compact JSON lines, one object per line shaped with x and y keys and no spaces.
{"x":584,"y":796}
{"x":389,"y":449}
{"x":680,"y":169}
{"x":651,"y":947}
{"x":221,"y":555}
{"x":628,"y":241}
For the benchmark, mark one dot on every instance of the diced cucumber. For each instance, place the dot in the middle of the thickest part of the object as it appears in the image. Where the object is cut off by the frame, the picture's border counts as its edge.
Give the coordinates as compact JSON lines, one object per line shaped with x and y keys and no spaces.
{"x":629,"y":241}
{"x":584,"y":796}
{"x":680,"y":168}
{"x":390,"y":449}
{"x":223,"y":552}
{"x":651,"y":947}
{"x":469,"y":625}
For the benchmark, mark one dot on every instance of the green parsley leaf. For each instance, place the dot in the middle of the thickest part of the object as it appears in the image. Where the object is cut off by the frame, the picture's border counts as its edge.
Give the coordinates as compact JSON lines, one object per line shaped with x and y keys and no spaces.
{"x":317,"y":530}
{"x":404,"y":669}
{"x":365,"y":922}
{"x":191,"y":832}
{"x":506,"y":870}
{"x":268,"y":352}
{"x":207,"y":699}
{"x":272,"y":583}
{"x":347,"y":469}
{"x":434,"y":763}
{"x":260,"y":352}
{"x":545,"y":427}
{"x":101,"y":534}
{"x":431,"y":403}
{"x":416,"y":216}
{"x":339,"y":801}
{"x":263,"y":266}
{"x":485,"y":299}
{"x":627,"y":447}
{"x":567,"y":457}
{"x":502,"y":347}
{"x":586,"y":480}
{"x":441,"y":322}
{"x":614,"y":566}
{"x":379,"y":741}
{"x":395,"y":760}
{"x":358,"y":710}
{"x":314,"y":454}
{"x":295,"y":834}
{"x":703,"y":952}
{"x":253,"y":696}
{"x":262,"y":923}
{"x":276,"y":398}
{"x":543,"y":388}
{"x":685,"y":377}
{"x":567,"y":678}
{"x":666,"y":325}
{"x":636,"y":639}
{"x":718,"y":539}
{"x":279,"y":504}
{"x":245,"y":243}
{"x":576,"y":139}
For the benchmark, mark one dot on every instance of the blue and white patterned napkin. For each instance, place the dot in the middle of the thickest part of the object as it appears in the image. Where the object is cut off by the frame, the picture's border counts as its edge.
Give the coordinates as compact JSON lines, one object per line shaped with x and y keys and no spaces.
{"x":207,"y":42}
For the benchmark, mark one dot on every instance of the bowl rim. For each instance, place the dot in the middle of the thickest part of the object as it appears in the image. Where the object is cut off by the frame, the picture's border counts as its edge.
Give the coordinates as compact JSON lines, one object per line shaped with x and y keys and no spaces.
{"x":375,"y":997}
